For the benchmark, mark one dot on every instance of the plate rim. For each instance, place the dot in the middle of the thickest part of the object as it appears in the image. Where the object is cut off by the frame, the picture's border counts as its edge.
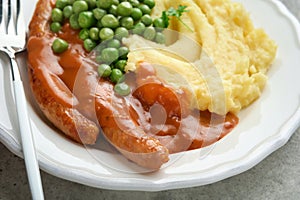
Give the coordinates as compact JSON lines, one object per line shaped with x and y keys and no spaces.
{"x":247,"y":162}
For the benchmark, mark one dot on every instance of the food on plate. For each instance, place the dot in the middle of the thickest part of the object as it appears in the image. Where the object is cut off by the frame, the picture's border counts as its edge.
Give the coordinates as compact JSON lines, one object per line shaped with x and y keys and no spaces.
{"x":230,"y":43}
{"x":92,"y":72}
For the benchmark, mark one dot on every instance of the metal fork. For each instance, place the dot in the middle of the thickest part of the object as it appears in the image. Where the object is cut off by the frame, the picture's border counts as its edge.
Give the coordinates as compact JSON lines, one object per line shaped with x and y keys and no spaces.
{"x":13,"y":41}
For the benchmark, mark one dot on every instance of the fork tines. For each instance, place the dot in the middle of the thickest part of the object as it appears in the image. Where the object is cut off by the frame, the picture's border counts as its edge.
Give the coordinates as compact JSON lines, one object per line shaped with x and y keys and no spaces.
{"x":9,"y":14}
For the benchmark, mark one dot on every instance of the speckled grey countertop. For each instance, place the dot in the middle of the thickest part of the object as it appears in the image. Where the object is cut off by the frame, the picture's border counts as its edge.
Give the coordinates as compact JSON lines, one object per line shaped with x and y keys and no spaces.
{"x":276,"y":177}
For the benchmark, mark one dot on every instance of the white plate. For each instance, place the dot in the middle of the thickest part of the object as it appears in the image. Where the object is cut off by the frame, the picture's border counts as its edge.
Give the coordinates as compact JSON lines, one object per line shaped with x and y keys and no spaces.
{"x":264,"y":126}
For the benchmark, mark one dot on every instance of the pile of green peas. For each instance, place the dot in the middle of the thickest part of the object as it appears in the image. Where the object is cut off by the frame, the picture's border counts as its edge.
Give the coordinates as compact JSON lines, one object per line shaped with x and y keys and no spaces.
{"x":102,"y":25}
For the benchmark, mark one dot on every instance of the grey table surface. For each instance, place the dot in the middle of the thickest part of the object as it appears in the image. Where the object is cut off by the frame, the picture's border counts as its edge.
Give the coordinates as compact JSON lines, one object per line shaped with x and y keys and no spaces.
{"x":276,"y":177}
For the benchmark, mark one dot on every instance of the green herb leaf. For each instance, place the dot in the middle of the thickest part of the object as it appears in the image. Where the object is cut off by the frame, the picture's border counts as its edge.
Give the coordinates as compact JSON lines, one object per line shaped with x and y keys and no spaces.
{"x":181,"y":9}
{"x":172,"y":12}
{"x":165,"y":18}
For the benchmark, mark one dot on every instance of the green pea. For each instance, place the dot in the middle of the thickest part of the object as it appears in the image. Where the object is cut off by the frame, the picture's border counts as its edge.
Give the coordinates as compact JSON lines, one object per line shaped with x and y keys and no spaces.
{"x":61,"y":4}
{"x":84,"y":33}
{"x":110,"y":21}
{"x":121,"y":32}
{"x":86,"y":19}
{"x":124,"y":9}
{"x":114,"y":43}
{"x":94,"y":33}
{"x":99,"y":13}
{"x":89,"y":44}
{"x":115,"y":2}
{"x":136,"y":13}
{"x":99,"y":49}
{"x":104,"y":70}
{"x":113,"y":10}
{"x":68,"y":11}
{"x":71,"y":1}
{"x":150,"y":3}
{"x":160,"y":38}
{"x":127,"y":22}
{"x":146,"y":19}
{"x":120,"y":64}
{"x":106,"y":33}
{"x":74,"y":21}
{"x":159,"y":23}
{"x":59,"y":45}
{"x":109,"y":55}
{"x":134,"y":3}
{"x":122,"y":89}
{"x":99,"y":59}
{"x":116,"y":75}
{"x":139,"y":28}
{"x":123,"y":52}
{"x":149,"y":33}
{"x":145,"y":9}
{"x":105,"y":4}
{"x":55,"y":27}
{"x":80,"y":6}
{"x":92,"y":3}
{"x":57,"y":15}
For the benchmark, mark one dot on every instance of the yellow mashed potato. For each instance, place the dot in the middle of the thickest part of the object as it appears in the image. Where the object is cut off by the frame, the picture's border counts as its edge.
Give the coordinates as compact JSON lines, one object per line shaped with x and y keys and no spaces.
{"x":228,"y":72}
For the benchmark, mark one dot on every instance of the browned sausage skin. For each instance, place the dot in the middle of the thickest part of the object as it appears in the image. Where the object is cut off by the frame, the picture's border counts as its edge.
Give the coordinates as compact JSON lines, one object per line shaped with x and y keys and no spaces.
{"x":70,"y":94}
{"x":67,"y":119}
{"x":80,"y":103}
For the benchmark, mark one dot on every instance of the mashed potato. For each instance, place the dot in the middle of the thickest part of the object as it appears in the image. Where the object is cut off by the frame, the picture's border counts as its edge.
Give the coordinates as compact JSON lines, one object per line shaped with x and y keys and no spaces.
{"x":224,"y":60}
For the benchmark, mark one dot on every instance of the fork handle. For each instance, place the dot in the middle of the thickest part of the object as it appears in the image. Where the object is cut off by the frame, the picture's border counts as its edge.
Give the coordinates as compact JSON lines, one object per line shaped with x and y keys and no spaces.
{"x":32,"y":167}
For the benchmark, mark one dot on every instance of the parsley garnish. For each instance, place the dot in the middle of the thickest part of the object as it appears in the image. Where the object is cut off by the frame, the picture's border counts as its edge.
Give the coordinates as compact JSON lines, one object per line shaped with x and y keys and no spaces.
{"x":172,"y":12}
